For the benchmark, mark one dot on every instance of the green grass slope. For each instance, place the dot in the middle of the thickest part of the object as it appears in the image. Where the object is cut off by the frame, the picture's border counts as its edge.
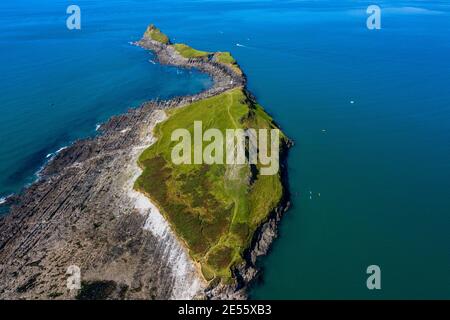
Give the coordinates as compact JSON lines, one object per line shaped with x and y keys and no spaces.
{"x":227,"y":59}
{"x":215,"y":209}
{"x":188,"y":52}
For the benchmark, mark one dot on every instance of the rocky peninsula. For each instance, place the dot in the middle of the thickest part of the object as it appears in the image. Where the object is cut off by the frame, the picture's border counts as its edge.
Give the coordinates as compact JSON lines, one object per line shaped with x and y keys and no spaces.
{"x":85,"y":210}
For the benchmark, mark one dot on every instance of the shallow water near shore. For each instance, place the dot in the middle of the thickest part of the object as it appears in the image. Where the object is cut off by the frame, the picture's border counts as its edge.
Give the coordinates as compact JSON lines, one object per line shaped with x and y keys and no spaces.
{"x":369,"y":179}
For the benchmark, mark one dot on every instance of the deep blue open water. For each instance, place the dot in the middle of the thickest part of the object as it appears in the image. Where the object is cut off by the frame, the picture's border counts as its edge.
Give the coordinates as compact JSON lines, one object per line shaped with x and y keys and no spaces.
{"x":370,"y":180}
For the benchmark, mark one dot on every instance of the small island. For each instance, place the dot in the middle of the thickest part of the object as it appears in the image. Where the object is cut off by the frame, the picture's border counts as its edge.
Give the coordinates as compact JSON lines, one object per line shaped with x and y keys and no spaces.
{"x":214,"y":209}
{"x":133,"y":223}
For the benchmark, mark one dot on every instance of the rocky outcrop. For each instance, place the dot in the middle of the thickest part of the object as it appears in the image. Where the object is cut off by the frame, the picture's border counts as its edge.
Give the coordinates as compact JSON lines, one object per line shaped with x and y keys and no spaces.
{"x":224,"y":77}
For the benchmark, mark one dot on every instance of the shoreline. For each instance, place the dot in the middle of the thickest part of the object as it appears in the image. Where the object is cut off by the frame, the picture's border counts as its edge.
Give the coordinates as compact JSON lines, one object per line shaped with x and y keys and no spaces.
{"x":78,"y":212}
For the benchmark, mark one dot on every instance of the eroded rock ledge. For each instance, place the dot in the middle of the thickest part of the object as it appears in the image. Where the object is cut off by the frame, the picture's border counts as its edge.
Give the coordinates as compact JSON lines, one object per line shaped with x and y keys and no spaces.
{"x":80,"y":213}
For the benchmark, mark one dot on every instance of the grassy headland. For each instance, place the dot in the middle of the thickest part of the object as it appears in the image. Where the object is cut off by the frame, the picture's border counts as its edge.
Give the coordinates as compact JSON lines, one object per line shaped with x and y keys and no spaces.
{"x":188,"y":52}
{"x":215,"y":209}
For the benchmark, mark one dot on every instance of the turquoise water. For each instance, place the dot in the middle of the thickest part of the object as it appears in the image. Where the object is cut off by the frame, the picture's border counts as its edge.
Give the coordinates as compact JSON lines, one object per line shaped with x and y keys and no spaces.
{"x":57,"y":85}
{"x":370,"y":180}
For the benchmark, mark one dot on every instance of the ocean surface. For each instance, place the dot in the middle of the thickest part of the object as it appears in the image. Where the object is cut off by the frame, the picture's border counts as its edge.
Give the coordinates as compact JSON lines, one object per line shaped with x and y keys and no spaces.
{"x":369,"y":111}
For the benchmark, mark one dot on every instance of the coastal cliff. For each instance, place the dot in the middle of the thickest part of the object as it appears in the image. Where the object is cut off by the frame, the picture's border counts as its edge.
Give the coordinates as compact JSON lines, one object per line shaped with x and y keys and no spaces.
{"x":84,"y":210}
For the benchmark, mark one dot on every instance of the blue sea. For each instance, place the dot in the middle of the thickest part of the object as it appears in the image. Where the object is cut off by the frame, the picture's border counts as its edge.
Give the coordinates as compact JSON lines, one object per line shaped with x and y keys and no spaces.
{"x":369,"y":111}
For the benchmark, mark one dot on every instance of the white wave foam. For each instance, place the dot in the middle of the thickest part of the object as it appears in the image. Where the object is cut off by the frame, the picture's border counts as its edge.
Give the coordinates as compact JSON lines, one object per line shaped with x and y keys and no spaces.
{"x":97,"y":126}
{"x":4,"y":199}
{"x":51,"y":155}
{"x":60,"y":149}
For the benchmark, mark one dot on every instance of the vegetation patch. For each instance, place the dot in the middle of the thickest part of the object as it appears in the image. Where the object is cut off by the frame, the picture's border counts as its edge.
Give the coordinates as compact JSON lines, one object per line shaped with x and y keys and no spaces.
{"x":227,"y":59}
{"x":213,"y":211}
{"x":188,"y":52}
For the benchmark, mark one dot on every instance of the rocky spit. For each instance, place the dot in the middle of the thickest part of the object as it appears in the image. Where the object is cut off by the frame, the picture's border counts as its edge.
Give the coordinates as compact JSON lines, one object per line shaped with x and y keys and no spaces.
{"x":83,"y":211}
